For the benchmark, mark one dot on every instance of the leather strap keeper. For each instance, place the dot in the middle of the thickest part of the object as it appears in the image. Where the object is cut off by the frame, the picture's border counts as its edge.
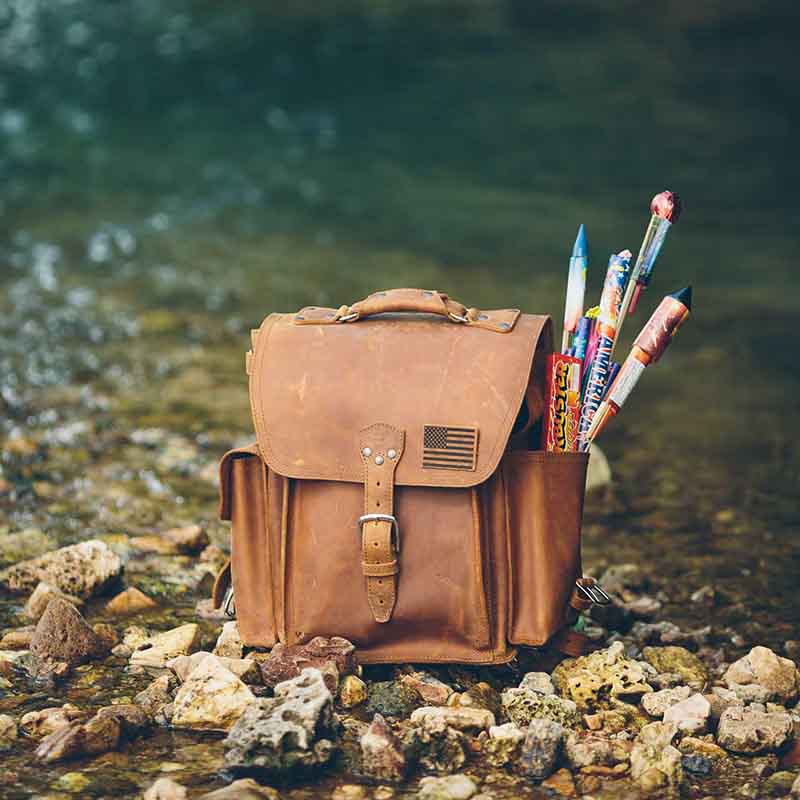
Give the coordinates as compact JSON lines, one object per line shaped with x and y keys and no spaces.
{"x":381,"y":448}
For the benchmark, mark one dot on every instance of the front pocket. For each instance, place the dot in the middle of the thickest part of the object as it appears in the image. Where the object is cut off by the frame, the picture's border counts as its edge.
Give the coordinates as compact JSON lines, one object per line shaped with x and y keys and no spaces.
{"x":545,"y":493}
{"x":441,"y":612}
{"x":245,"y":503}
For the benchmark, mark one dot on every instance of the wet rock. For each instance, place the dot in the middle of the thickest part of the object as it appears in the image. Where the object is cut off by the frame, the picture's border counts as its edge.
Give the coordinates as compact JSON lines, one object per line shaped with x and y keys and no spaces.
{"x":243,"y":789}
{"x":382,"y":753}
{"x":657,"y":769}
{"x":451,"y":787}
{"x":503,"y":744}
{"x":188,"y":540}
{"x":697,"y":765}
{"x":694,"y":746}
{"x":38,"y":724}
{"x":690,"y":715}
{"x":593,"y":681}
{"x":720,"y":699}
{"x":83,"y":570}
{"x":18,"y":638}
{"x":107,"y":635}
{"x":8,"y":732}
{"x":538,"y":682}
{"x":352,"y":691}
{"x":748,"y":729}
{"x":678,"y":660}
{"x":658,"y":734}
{"x":459,"y":717}
{"x":588,"y":750}
{"x":133,"y":637}
{"x":131,"y":601}
{"x":541,"y":748}
{"x":156,"y":650}
{"x":165,"y":789}
{"x":761,"y":666}
{"x":440,"y":748}
{"x":479,"y":695}
{"x":285,"y":662}
{"x":156,"y":695}
{"x":229,"y":643}
{"x":521,"y":706}
{"x":63,"y":635}
{"x":561,"y":783}
{"x":244,"y":668}
{"x":290,"y":732}
{"x":98,"y":735}
{"x":212,"y":698}
{"x":433,"y":691}
{"x":392,"y":699}
{"x":751,"y":693}
{"x":656,"y":703}
{"x":43,"y":593}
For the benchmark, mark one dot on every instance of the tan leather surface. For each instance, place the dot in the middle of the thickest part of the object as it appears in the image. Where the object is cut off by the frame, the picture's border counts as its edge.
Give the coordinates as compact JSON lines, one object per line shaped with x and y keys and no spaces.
{"x":381,"y":448}
{"x":221,"y":583}
{"x":312,"y":388}
{"x":545,"y":505}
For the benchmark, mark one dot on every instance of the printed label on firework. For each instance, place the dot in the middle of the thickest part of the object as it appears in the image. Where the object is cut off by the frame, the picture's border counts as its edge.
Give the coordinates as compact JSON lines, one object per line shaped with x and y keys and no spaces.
{"x":626,"y":380}
{"x":562,"y":403}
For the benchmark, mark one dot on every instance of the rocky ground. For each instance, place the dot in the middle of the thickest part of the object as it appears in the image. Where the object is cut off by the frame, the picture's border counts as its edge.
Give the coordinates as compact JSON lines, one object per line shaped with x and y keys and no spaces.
{"x":98,"y":696}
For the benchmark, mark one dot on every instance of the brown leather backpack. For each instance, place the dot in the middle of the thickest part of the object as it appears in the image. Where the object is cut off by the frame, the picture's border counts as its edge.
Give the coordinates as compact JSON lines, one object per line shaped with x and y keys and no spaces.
{"x":393,"y":496}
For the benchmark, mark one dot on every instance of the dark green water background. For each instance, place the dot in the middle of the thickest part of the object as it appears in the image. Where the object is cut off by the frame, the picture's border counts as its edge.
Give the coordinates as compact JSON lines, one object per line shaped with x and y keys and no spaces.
{"x":170,"y":172}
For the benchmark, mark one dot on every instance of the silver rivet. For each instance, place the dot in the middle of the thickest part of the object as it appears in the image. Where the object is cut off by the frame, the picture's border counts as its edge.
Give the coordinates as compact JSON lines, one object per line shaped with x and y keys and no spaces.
{"x":427,"y":294}
{"x":392,"y":453}
{"x":379,"y":460}
{"x":483,"y":316}
{"x":366,"y":452}
{"x":299,"y":317}
{"x":504,"y":325}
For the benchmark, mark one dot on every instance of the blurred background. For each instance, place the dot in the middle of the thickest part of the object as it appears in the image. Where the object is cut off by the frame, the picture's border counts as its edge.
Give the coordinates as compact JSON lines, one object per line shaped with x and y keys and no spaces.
{"x":170,"y":172}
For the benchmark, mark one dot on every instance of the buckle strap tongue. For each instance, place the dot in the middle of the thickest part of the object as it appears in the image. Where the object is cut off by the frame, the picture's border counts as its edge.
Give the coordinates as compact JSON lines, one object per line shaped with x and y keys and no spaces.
{"x":380,"y":447}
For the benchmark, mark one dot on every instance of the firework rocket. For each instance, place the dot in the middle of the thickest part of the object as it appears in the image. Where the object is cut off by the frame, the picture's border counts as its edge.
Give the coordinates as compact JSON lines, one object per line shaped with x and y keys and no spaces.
{"x":608,"y":320}
{"x":647,"y":348}
{"x":576,"y":287}
{"x":666,"y":208}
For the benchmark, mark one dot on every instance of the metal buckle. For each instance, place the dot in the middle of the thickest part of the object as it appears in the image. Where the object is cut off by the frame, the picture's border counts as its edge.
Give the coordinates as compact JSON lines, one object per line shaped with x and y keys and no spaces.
{"x":594,"y":593}
{"x":228,"y":603}
{"x":348,"y":317}
{"x":382,"y":518}
{"x":457,"y":317}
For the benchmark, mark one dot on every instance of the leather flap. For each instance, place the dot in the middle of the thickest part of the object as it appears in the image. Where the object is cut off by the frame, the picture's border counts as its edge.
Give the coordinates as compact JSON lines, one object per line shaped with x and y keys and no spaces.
{"x":314,"y":387}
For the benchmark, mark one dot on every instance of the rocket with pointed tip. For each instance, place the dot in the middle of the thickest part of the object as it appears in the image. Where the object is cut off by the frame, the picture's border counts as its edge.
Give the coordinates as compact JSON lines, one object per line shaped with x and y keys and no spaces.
{"x":576,"y":287}
{"x":648,"y":347}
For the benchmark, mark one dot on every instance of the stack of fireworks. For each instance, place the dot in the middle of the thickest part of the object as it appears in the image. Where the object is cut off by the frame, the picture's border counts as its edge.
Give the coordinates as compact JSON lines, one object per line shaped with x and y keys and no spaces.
{"x":585,"y":386}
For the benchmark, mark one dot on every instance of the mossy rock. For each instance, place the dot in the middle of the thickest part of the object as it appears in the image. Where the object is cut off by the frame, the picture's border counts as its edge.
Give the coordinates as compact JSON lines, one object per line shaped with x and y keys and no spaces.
{"x":678,"y":660}
{"x":392,"y":699}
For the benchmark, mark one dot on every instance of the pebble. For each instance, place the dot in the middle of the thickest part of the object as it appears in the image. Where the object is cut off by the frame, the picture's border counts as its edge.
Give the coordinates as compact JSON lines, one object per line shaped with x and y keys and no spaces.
{"x":156,"y":695}
{"x":8,"y":732}
{"x":188,"y":540}
{"x":503,"y":744}
{"x":165,"y":789}
{"x":460,"y":717}
{"x":130,"y":601}
{"x":392,"y":699}
{"x":288,"y":661}
{"x":587,"y":750}
{"x":244,"y":668}
{"x":156,"y":650}
{"x":541,"y":748}
{"x":36,"y":604}
{"x":18,"y":638}
{"x":690,"y":715}
{"x":38,"y":724}
{"x":450,"y":787}
{"x":561,"y":783}
{"x":82,"y":570}
{"x":522,"y":706}
{"x":382,"y":754}
{"x":243,"y":789}
{"x":748,"y":729}
{"x":656,"y":703}
{"x":63,"y":635}
{"x":776,"y":675}
{"x":211,"y":698}
{"x":229,"y":643}
{"x":538,"y":682}
{"x":433,"y":691}
{"x":679,"y":660}
{"x":352,"y":692}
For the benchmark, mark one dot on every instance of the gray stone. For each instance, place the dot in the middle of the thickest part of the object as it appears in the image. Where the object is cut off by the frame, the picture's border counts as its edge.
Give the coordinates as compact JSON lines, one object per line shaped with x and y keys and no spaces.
{"x":656,"y":703}
{"x":521,"y":706}
{"x":165,"y":789}
{"x":439,"y":747}
{"x":244,"y":668}
{"x":160,"y":648}
{"x":538,"y":682}
{"x":657,"y":769}
{"x":761,"y":666}
{"x":290,"y":732}
{"x":541,"y":748}
{"x":451,"y":787}
{"x":503,"y":744}
{"x":747,"y":729}
{"x":158,"y":694}
{"x":690,"y":715}
{"x":589,"y":750}
{"x":460,"y":717}
{"x":243,"y":789}
{"x":382,"y":753}
{"x":229,"y":643}
{"x":433,"y":691}
{"x":38,"y":724}
{"x":63,"y":635}
{"x":83,"y":570}
{"x":392,"y":699}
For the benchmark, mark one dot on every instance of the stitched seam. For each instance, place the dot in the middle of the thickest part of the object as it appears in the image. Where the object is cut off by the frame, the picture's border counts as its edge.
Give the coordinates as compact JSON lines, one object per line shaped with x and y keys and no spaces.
{"x":483,"y":618}
{"x":284,"y":566}
{"x":267,"y":546}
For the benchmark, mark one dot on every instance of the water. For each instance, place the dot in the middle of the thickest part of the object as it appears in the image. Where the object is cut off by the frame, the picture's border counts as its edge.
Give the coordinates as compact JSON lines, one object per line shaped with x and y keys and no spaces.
{"x":171,"y":173}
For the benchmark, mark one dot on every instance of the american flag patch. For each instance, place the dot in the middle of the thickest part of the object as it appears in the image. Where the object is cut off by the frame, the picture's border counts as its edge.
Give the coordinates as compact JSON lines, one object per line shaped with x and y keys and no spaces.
{"x":448,"y":447}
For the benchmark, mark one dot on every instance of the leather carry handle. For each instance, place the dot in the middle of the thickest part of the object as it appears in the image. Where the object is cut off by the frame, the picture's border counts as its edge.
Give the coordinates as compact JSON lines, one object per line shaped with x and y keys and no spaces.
{"x":420,"y":301}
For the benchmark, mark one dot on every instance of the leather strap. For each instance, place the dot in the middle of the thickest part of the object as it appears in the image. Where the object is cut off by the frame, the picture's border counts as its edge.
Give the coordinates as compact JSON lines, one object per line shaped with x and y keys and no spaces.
{"x":221,"y":584}
{"x":567,"y":640}
{"x":381,"y":448}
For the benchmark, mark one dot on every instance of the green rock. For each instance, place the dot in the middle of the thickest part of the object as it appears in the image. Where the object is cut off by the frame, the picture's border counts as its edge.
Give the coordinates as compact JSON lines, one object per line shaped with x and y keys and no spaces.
{"x":392,"y":699}
{"x":73,"y":782}
{"x":678,"y":660}
{"x":522,"y":705}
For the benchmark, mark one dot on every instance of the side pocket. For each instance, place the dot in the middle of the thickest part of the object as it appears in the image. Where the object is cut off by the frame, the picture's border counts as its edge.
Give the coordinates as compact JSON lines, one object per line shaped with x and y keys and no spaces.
{"x":244,"y":501}
{"x":545,"y":493}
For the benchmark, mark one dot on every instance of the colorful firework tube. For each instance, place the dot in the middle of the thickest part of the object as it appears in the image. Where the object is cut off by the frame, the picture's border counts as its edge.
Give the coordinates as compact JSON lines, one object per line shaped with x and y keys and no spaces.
{"x":613,"y":371}
{"x":665,"y":208}
{"x":591,"y":347}
{"x":581,"y":338}
{"x":648,"y":347}
{"x":610,"y":300}
{"x":576,"y":287}
{"x":562,"y":403}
